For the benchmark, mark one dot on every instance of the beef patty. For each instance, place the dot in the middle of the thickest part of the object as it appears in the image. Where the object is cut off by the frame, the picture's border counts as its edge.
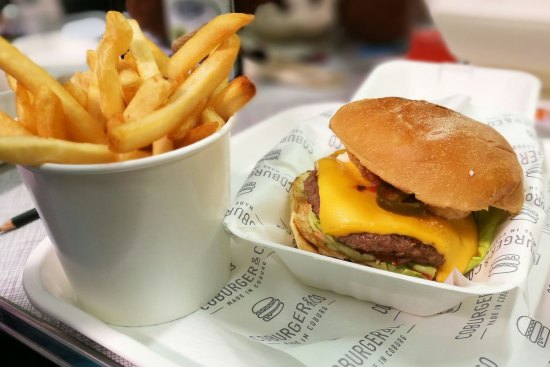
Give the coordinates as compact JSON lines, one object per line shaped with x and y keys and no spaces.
{"x":392,"y":248}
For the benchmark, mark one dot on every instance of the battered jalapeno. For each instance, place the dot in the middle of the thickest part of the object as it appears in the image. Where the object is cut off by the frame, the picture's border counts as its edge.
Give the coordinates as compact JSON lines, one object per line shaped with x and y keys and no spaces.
{"x":397,"y":201}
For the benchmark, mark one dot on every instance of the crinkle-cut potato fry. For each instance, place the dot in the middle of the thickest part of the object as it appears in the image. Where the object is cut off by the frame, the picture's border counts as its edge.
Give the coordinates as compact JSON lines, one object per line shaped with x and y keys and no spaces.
{"x":198,"y":86}
{"x":152,"y":93}
{"x":198,"y":133}
{"x":10,"y":127}
{"x":234,"y":97}
{"x":204,"y":41}
{"x":23,"y":107}
{"x":190,"y":122}
{"x":50,"y":122}
{"x":35,"y":150}
{"x":145,"y":60}
{"x":114,"y":43}
{"x":80,"y":125}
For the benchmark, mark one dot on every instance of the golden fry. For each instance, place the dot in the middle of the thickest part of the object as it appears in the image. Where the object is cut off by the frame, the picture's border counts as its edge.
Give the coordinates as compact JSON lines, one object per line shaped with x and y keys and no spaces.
{"x":198,"y":133}
{"x":204,"y":42}
{"x":91,"y":60}
{"x":196,"y":88}
{"x":110,"y":91}
{"x":160,"y":56}
{"x":221,"y":87}
{"x":35,"y":150}
{"x":12,"y":82}
{"x":136,"y":154}
{"x":190,"y":122}
{"x":81,"y":79}
{"x":211,"y":116}
{"x":81,"y":126}
{"x":162,"y":145}
{"x":93,"y":102}
{"x":10,"y":127}
{"x":145,"y":61}
{"x":130,"y":60}
{"x":182,"y":40}
{"x":50,"y":122}
{"x":23,"y":107}
{"x":129,"y":82}
{"x":234,"y":97}
{"x":152,"y":93}
{"x":78,"y":93}
{"x":115,"y":42}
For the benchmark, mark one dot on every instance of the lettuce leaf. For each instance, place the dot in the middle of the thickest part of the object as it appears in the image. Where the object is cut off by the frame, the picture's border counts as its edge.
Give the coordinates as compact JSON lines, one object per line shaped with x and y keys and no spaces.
{"x":487,"y":222}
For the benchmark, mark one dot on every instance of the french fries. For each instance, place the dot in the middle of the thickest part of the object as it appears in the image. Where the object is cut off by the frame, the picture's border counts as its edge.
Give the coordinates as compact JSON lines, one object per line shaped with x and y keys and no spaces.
{"x":145,"y":61}
{"x":198,"y":86}
{"x":134,"y":101}
{"x":233,"y":97}
{"x":204,"y":41}
{"x":115,"y":42}
{"x":23,"y":106}
{"x":80,"y":125}
{"x":10,"y":127}
{"x":34,"y":151}
{"x":50,"y":122}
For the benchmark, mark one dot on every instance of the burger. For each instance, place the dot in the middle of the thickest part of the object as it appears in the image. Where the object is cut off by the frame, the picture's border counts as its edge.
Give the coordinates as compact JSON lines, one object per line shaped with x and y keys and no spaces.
{"x":418,"y":190}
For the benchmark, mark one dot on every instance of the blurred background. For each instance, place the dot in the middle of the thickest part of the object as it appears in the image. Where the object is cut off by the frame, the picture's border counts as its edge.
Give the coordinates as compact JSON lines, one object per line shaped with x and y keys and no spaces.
{"x":302,"y":51}
{"x":299,"y":51}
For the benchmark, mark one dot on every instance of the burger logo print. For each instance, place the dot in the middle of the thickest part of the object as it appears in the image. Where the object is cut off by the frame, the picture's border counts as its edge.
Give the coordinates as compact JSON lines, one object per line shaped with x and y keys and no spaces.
{"x":533,"y":330}
{"x":267,"y":308}
{"x":507,"y":263}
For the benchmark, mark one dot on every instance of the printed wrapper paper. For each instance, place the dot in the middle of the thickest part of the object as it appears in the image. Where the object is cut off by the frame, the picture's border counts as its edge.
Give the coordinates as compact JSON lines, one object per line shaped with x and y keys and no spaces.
{"x":264,"y":316}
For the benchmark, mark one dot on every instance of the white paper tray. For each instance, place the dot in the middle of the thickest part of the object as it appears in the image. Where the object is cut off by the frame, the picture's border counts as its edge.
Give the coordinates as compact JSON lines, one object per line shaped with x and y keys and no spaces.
{"x":481,"y":93}
{"x":489,"y":89}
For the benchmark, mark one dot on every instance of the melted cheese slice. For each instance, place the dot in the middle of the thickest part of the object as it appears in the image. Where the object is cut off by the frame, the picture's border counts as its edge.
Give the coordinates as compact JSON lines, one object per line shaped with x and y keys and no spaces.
{"x":347,"y":209}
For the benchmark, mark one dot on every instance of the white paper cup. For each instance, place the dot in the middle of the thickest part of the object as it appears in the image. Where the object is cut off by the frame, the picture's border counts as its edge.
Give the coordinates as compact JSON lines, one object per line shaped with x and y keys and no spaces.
{"x":141,"y":241}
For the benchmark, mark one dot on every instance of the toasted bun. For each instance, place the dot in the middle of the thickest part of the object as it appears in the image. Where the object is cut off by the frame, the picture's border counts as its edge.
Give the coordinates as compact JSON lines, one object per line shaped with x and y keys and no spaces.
{"x":444,"y":158}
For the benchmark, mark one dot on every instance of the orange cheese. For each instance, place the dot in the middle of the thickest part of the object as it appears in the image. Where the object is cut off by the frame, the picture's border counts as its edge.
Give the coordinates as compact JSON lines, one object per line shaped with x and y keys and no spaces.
{"x":346,"y":208}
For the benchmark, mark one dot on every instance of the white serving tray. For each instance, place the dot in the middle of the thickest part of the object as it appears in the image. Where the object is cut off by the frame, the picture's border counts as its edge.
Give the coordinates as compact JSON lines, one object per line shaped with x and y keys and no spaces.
{"x":47,"y":286}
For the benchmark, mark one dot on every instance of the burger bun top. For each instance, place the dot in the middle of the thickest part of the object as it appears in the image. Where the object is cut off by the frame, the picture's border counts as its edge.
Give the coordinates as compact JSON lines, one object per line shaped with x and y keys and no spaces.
{"x":444,"y":158}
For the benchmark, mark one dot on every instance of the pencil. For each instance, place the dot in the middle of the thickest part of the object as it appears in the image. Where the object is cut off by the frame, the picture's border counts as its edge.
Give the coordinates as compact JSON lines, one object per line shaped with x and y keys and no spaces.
{"x":19,"y":220}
